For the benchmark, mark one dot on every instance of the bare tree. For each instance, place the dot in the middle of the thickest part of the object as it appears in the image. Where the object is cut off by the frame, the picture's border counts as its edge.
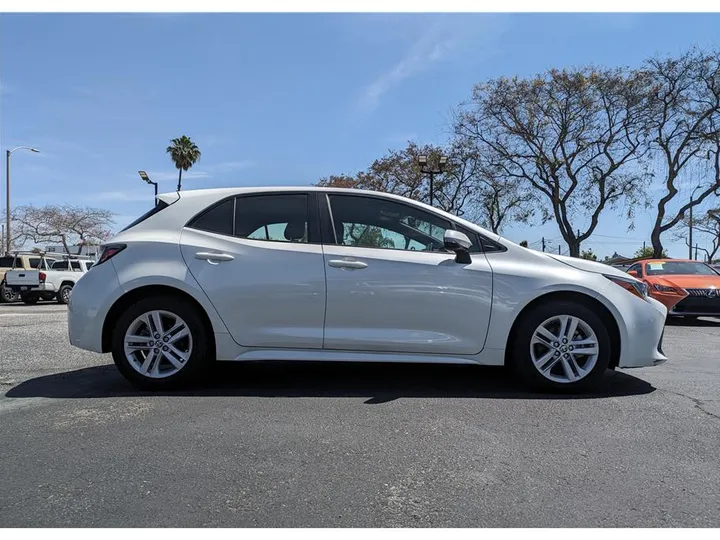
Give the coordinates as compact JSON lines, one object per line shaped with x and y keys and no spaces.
{"x":685,"y":126}
{"x":398,"y":172}
{"x":468,"y":187}
{"x":69,"y":225}
{"x":707,"y":225}
{"x":574,"y":137}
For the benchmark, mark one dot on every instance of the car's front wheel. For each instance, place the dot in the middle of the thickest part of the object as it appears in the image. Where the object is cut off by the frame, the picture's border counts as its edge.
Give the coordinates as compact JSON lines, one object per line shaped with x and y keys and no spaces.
{"x":561,"y":346}
{"x":160,"y":342}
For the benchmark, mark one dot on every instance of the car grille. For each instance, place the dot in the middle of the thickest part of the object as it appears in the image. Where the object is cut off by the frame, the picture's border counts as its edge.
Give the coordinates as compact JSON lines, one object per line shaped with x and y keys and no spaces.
{"x":698,"y":304}
{"x":703,"y":292}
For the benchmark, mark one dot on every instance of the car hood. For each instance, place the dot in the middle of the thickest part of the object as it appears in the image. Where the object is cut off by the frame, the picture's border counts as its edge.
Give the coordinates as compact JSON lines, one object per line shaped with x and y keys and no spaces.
{"x":589,"y":266}
{"x":687,"y":281}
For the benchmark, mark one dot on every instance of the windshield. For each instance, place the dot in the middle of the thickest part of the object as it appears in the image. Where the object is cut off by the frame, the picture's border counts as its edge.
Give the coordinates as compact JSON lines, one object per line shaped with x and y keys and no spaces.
{"x":679,"y":268}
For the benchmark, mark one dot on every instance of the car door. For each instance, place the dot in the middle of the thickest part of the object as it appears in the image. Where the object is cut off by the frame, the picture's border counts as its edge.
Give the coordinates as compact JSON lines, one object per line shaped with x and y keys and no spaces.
{"x":259,"y":260}
{"x":391,"y":287}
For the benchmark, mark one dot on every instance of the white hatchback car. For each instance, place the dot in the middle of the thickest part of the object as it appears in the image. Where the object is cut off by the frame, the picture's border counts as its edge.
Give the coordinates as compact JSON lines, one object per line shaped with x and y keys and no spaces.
{"x":302,"y":273}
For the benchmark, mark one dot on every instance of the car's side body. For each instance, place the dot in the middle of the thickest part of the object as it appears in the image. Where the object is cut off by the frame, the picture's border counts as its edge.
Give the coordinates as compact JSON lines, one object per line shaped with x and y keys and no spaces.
{"x":345,"y":302}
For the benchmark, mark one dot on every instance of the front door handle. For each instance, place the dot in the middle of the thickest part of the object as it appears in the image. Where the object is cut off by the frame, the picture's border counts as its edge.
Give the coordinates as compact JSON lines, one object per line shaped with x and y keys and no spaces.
{"x":210,"y":257}
{"x":341,"y":263}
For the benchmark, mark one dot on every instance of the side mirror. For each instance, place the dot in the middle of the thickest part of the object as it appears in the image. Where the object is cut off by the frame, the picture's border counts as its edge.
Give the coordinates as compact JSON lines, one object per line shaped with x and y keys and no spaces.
{"x":634,"y":273}
{"x":460,"y":244}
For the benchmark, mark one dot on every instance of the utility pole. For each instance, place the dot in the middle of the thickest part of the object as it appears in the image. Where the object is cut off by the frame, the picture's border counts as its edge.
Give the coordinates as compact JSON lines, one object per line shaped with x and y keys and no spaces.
{"x":690,"y":239}
{"x":559,"y":253}
{"x":696,"y":250}
{"x":543,"y":244}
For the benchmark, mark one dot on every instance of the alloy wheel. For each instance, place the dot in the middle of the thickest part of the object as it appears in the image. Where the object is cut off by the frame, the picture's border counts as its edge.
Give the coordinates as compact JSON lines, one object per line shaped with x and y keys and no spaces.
{"x":158,"y":344}
{"x":564,"y":349}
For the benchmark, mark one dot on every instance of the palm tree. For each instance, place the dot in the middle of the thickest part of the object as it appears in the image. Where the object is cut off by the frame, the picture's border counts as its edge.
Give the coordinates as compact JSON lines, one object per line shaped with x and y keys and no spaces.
{"x":184,"y":154}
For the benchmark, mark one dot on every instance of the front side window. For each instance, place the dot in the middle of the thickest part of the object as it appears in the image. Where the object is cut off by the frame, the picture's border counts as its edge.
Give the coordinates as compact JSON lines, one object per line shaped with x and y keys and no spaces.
{"x":377,"y":223}
{"x":60,"y":265}
{"x":276,"y":218}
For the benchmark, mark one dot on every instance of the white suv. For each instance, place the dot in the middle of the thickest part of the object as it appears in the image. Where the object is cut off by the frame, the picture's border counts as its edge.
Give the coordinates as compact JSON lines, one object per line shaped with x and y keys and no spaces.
{"x":348,"y":275}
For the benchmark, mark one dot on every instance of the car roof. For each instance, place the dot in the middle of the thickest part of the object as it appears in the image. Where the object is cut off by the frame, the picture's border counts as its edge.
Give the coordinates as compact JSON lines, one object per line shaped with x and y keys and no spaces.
{"x":220,"y":193}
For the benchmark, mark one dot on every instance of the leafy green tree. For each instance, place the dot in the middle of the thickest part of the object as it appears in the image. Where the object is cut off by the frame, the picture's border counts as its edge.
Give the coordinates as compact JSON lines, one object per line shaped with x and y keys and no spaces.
{"x":589,"y":255}
{"x":184,"y":154}
{"x":648,"y":252}
{"x":524,"y":243}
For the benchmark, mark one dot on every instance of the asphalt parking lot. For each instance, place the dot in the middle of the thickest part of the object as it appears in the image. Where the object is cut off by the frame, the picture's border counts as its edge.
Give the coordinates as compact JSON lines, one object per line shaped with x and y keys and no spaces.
{"x":280,"y":445}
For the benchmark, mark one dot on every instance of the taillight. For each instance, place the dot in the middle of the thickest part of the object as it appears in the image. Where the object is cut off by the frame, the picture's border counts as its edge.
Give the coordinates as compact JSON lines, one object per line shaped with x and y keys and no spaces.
{"x":109,"y":251}
{"x":43,"y":277}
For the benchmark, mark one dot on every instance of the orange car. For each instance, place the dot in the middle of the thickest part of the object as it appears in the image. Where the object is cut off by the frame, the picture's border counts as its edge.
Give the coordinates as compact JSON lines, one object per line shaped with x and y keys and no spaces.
{"x":687,"y":288}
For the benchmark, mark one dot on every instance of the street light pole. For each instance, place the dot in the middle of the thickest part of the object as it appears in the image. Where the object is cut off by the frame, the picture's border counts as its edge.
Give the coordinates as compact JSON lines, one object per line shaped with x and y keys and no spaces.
{"x":145,"y":177}
{"x":7,"y":187}
{"x":424,"y":169}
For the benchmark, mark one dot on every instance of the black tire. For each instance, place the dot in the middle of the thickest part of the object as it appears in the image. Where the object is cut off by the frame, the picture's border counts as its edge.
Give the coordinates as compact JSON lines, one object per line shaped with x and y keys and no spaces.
{"x":30,"y":299}
{"x":199,"y":360}
{"x":7,"y":295}
{"x":522,"y":362}
{"x":63,"y":295}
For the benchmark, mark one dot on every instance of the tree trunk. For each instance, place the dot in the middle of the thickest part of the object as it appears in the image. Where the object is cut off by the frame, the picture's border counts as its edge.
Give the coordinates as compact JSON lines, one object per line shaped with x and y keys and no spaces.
{"x":574,"y":248}
{"x":179,"y":180}
{"x":656,"y":243}
{"x":64,"y":242}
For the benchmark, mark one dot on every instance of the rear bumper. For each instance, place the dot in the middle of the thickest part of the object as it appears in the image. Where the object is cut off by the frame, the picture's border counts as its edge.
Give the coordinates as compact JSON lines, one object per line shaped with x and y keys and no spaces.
{"x":43,"y":287}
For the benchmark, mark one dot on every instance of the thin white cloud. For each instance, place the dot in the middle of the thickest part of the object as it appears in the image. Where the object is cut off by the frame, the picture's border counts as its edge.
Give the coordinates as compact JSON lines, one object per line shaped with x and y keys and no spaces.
{"x":230,"y":166}
{"x":429,"y":49}
{"x":166,"y":176}
{"x":119,"y":196}
{"x":450,"y":35}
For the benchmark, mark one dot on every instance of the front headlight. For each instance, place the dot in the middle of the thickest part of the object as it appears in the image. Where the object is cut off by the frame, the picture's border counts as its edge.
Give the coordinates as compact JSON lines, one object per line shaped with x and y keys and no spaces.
{"x":638,"y":288}
{"x":663,"y":288}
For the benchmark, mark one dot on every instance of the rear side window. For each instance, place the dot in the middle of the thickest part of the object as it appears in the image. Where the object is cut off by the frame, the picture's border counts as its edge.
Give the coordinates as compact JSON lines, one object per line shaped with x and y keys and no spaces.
{"x":216,"y":219}
{"x":6,"y":262}
{"x":60,"y":265}
{"x":34,"y":262}
{"x":277,"y":218}
{"x":161,"y":205}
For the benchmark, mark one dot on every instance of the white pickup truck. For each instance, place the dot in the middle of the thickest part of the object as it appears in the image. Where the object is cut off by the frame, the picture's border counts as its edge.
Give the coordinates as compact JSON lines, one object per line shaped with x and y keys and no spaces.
{"x":51,"y":280}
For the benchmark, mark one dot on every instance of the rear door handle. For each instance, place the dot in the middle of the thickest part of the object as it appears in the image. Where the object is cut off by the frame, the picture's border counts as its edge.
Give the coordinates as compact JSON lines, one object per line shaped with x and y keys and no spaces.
{"x":210,"y":257}
{"x":353,"y":265}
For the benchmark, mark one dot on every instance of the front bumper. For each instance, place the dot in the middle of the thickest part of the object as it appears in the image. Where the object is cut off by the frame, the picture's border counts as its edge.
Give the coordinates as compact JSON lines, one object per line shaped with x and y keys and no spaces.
{"x":697,"y":306}
{"x":641,"y":324}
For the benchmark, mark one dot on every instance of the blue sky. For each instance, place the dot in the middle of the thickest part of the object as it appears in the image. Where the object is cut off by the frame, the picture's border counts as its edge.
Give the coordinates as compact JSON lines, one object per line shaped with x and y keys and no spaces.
{"x":278,"y":99}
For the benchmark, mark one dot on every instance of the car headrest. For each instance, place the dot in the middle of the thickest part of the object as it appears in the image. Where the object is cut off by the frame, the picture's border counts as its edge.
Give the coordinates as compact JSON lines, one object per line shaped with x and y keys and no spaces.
{"x":295,"y":230}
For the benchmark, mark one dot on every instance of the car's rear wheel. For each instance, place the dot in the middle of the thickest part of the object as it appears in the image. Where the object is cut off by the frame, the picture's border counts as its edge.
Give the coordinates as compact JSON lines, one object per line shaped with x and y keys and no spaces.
{"x":561,"y":346}
{"x":160,"y":342}
{"x":7,"y":295}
